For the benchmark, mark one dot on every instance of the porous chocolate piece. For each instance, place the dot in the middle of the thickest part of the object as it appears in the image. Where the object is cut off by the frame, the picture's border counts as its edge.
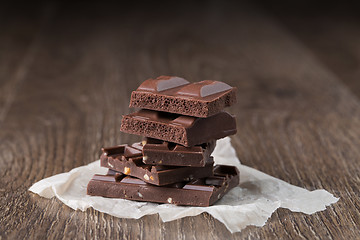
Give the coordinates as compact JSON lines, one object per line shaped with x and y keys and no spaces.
{"x":158,"y":152}
{"x":184,"y":130}
{"x":177,"y":95}
{"x":129,"y":160}
{"x":200,"y":192}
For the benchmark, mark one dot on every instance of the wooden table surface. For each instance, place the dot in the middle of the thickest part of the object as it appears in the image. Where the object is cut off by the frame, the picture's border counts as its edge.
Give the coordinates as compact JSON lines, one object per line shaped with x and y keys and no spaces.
{"x":67,"y":71}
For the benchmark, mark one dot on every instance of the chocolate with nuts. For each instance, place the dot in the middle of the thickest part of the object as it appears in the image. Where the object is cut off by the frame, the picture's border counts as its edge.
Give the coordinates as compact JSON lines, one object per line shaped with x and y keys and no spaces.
{"x":158,"y":152}
{"x":198,"y":192}
{"x":129,"y":160}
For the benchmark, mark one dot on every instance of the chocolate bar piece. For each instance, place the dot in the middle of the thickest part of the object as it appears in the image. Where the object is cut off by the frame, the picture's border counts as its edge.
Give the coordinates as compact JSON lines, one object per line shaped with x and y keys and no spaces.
{"x":158,"y":152}
{"x":129,"y":160}
{"x":177,"y":95}
{"x":184,"y":130}
{"x":200,"y":192}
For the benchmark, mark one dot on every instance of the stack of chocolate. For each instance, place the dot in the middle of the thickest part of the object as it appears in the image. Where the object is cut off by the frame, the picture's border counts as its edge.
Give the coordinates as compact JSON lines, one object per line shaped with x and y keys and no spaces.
{"x":180,"y":122}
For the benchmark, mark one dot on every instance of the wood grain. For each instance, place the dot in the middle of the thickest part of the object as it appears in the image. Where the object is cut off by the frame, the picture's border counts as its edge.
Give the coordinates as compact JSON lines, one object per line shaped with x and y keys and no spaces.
{"x":78,"y":64}
{"x":330,"y":31}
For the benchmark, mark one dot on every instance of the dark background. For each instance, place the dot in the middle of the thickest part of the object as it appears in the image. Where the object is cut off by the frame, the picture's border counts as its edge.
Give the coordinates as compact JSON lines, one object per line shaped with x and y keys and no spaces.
{"x":67,"y":70}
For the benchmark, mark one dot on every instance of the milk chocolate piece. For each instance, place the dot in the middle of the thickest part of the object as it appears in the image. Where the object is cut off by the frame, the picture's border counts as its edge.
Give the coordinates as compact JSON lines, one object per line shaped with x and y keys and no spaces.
{"x":129,"y":160}
{"x":200,"y":192}
{"x":184,"y":130}
{"x":158,"y":152}
{"x":177,"y":95}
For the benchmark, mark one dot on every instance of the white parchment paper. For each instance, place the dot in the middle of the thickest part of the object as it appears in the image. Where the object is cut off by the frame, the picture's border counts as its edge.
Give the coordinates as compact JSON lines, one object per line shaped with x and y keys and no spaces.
{"x":251,"y":203}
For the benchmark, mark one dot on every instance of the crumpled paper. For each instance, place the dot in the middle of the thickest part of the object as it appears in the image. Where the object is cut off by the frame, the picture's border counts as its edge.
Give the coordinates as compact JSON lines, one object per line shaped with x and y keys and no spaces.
{"x":251,"y":203}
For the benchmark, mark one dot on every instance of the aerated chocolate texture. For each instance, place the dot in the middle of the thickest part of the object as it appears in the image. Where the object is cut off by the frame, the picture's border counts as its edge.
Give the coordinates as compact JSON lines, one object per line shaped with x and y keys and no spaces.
{"x":129,"y":160}
{"x":177,"y":95}
{"x":181,"y":122}
{"x":200,"y":192}
{"x":158,"y":152}
{"x":184,"y":130}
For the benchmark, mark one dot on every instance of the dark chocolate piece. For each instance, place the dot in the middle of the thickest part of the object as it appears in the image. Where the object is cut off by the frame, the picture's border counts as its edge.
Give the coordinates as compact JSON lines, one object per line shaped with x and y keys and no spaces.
{"x":158,"y":152}
{"x":184,"y":130}
{"x":129,"y":160}
{"x":200,"y":192}
{"x":177,"y":95}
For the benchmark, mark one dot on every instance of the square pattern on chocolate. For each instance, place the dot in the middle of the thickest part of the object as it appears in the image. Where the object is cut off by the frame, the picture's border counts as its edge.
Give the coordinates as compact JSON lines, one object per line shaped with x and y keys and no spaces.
{"x":158,"y":152}
{"x":177,"y":95}
{"x":198,"y":192}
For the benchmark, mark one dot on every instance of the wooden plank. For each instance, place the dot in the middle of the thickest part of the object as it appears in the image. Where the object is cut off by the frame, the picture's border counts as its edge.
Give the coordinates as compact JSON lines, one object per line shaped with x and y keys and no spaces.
{"x":296,"y":121}
{"x":18,"y":41}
